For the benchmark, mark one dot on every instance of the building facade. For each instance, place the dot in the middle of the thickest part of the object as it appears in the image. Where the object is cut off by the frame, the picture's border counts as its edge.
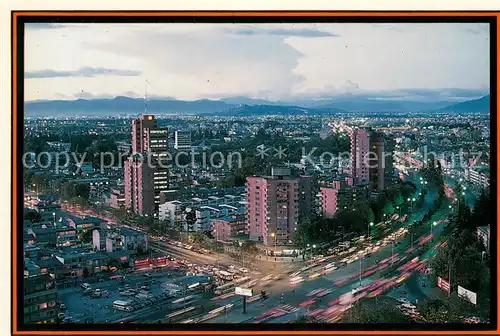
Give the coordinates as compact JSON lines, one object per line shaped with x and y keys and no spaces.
{"x":224,"y":228}
{"x":359,"y":151}
{"x":139,"y":186}
{"x":381,"y":162}
{"x":182,"y":140}
{"x":40,"y":298}
{"x":272,"y":207}
{"x":151,"y":142}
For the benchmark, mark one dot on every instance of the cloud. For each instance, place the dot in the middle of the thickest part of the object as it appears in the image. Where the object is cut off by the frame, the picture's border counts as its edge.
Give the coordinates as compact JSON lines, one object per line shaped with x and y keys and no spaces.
{"x":82,"y":72}
{"x":211,"y":61}
{"x":194,"y":61}
{"x":283,"y":32}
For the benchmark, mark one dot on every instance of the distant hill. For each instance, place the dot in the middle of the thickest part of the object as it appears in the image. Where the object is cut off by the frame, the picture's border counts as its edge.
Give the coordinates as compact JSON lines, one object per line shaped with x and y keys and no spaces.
{"x":257,"y":110}
{"x":121,"y":105}
{"x":481,"y":105}
{"x":245,"y":106}
{"x":360,"y":104}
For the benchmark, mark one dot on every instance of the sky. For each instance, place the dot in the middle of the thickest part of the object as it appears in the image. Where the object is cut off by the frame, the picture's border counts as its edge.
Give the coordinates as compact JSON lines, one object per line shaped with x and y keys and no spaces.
{"x":266,"y":61}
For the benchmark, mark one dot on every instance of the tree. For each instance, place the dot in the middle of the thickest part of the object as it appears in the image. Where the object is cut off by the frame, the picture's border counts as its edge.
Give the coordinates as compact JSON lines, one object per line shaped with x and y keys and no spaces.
{"x":86,"y":236}
{"x":305,"y":319}
{"x":190,"y":218}
{"x":481,"y":214}
{"x":381,"y":312}
{"x":250,"y":250}
{"x":32,"y":216}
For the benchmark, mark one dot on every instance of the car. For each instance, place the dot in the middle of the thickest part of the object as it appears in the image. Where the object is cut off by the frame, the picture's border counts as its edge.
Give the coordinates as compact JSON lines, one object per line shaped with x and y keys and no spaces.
{"x":96,"y":295}
{"x":62,"y":306}
{"x":127,"y":286}
{"x":153,"y":281}
{"x":88,"y":291}
{"x":147,"y":275}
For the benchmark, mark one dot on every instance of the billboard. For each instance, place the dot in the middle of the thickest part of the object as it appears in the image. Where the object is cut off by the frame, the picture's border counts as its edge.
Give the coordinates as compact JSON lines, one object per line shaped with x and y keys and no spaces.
{"x":243,"y":291}
{"x":467,"y":295}
{"x":443,"y":284}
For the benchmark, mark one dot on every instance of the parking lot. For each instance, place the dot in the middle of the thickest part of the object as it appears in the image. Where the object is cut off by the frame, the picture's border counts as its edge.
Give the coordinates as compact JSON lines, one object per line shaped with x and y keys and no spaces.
{"x":83,"y":308}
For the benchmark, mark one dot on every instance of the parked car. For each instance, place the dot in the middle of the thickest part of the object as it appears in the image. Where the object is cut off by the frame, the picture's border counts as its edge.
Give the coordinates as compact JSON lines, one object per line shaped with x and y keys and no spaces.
{"x":88,"y":291}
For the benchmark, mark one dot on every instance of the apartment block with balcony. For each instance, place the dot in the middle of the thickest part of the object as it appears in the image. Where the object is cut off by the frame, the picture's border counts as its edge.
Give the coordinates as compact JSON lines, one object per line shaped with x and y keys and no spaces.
{"x":272,"y":207}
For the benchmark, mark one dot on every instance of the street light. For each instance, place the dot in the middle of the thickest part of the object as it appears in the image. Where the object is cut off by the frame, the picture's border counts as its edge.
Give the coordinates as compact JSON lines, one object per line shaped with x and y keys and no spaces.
{"x":369,"y":224}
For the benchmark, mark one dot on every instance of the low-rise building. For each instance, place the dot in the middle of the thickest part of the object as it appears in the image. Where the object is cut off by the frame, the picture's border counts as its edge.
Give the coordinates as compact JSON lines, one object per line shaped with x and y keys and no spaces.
{"x":226,"y":227}
{"x":117,"y":198}
{"x":127,"y":239}
{"x":40,"y":296}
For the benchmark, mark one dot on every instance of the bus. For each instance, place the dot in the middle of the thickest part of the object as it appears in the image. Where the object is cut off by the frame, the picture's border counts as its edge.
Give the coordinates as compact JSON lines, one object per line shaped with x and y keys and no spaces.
{"x":185,"y":300}
{"x":226,"y":275}
{"x":224,"y":288}
{"x":123,"y":305}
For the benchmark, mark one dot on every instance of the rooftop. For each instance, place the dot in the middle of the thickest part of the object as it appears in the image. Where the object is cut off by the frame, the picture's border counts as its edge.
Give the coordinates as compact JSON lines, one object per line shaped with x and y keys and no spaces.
{"x":125,"y":231}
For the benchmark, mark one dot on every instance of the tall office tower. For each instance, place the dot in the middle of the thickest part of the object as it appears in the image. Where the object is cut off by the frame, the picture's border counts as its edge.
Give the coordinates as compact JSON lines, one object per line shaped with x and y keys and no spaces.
{"x":151,"y":142}
{"x":182,"y":140}
{"x":381,"y":163}
{"x":360,"y":149}
{"x":272,"y":207}
{"x":139,"y":185}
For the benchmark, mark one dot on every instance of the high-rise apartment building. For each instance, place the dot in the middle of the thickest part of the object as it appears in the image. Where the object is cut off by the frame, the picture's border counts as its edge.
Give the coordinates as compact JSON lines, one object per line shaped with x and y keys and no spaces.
{"x":139,"y":185}
{"x":371,"y":158}
{"x":381,"y":164}
{"x":182,"y":140}
{"x":273,"y":207}
{"x":306,"y":196}
{"x":359,"y":151}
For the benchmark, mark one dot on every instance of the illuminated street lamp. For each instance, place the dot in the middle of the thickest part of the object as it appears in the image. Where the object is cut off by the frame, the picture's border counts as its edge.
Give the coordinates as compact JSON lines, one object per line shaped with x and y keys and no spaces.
{"x":433,"y":224}
{"x":369,"y":224}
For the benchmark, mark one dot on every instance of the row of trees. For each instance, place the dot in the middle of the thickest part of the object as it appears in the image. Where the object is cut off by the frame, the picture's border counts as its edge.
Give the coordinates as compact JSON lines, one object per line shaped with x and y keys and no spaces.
{"x":318,"y":229}
{"x":466,"y":260}
{"x":75,"y":193}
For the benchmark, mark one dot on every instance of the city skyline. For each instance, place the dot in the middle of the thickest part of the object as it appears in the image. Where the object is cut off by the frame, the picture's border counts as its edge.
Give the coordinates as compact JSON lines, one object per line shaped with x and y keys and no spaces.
{"x":193,"y":61}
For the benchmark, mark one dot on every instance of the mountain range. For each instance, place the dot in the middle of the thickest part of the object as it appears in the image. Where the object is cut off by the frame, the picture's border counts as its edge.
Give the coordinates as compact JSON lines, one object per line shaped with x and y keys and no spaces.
{"x":243,"y":106}
{"x":470,"y":106}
